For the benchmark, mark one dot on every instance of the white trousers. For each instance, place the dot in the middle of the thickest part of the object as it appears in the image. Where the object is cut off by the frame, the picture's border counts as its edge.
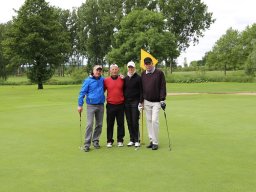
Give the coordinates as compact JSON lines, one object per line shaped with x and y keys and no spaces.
{"x":152,"y":115}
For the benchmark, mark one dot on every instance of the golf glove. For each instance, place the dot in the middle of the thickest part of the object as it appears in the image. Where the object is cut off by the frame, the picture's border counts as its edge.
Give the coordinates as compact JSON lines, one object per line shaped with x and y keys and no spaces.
{"x":140,"y":107}
{"x":163,"y":105}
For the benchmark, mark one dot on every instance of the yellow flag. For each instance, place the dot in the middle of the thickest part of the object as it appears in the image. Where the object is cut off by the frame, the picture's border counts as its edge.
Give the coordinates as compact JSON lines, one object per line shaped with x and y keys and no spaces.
{"x":143,"y":55}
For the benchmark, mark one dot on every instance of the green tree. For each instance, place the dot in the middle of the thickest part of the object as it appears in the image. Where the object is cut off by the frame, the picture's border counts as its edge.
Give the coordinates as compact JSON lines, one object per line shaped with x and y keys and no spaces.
{"x":187,"y":20}
{"x":142,"y":29}
{"x":98,"y":20}
{"x":38,"y":40}
{"x":250,"y":64}
{"x":247,"y":41}
{"x":226,"y":52}
{"x":3,"y":61}
{"x":75,"y":56}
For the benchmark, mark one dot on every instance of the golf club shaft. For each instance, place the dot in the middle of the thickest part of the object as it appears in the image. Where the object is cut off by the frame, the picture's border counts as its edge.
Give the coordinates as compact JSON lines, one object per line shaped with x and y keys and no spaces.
{"x":167,"y":130}
{"x":142,"y":134}
{"x":80,"y":130}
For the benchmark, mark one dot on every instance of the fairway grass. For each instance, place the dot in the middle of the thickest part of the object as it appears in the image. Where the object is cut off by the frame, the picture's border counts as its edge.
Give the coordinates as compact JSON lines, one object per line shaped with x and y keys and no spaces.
{"x":212,"y":135}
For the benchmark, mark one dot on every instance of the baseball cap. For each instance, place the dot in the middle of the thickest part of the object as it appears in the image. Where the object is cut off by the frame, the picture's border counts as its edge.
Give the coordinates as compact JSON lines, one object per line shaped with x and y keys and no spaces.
{"x":97,"y":67}
{"x":131,"y":64}
{"x":147,"y":60}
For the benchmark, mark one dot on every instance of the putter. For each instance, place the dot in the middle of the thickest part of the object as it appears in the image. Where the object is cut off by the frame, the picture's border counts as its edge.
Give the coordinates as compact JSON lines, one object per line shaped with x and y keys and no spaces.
{"x":167,"y":130}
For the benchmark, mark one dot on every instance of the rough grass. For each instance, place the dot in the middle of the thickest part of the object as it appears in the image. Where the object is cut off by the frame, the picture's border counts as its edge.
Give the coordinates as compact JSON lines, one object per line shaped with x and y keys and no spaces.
{"x":213,"y":146}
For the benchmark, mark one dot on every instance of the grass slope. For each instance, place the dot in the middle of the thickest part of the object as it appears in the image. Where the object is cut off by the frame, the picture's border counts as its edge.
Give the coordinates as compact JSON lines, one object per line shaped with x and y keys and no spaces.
{"x":213,"y":140}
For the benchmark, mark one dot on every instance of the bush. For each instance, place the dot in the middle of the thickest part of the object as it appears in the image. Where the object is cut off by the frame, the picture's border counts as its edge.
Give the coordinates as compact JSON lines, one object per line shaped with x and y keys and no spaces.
{"x":79,"y":74}
{"x":203,"y":76}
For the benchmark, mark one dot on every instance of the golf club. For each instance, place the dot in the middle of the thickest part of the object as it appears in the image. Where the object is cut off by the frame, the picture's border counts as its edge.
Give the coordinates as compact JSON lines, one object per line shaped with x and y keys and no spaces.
{"x":167,"y":130}
{"x":80,"y":147}
{"x":141,"y":142}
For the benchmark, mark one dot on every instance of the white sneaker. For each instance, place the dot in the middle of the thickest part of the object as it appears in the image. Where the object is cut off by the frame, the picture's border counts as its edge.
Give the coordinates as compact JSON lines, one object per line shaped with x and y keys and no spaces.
{"x":130,"y":144}
{"x":109,"y":145}
{"x":120,"y":144}
{"x":137,"y":144}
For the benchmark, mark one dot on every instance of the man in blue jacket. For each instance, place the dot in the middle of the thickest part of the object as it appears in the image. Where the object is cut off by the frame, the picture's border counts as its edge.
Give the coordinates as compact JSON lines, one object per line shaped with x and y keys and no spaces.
{"x":93,"y":89}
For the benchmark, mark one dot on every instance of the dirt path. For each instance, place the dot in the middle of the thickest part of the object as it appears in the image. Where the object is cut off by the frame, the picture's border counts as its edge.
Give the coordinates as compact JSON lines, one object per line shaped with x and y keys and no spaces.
{"x":219,"y":93}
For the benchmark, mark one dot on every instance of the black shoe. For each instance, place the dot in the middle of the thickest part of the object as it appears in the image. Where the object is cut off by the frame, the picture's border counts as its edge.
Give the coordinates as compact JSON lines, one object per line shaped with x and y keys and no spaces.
{"x":154,"y":147}
{"x":96,"y":145}
{"x":150,"y":145}
{"x":86,"y":149}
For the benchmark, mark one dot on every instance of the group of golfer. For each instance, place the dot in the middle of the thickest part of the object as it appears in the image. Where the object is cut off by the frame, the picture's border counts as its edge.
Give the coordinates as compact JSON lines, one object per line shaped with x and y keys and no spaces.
{"x":127,"y":96}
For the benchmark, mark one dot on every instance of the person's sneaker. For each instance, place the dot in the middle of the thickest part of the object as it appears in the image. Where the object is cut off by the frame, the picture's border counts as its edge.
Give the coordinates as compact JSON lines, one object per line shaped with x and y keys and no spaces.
{"x":109,"y":145}
{"x":130,"y":144}
{"x":120,"y":144}
{"x":137,"y":144}
{"x":150,"y":145}
{"x":154,"y":147}
{"x":86,"y":149}
{"x":96,"y":145}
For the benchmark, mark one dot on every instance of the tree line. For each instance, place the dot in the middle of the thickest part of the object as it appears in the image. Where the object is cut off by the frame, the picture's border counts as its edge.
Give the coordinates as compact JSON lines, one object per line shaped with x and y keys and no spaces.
{"x":44,"y":39}
{"x":234,"y":50}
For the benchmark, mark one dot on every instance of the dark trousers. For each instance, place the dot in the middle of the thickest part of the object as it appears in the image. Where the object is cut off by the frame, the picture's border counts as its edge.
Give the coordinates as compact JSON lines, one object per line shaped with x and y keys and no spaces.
{"x":115,"y":112}
{"x":132,"y":117}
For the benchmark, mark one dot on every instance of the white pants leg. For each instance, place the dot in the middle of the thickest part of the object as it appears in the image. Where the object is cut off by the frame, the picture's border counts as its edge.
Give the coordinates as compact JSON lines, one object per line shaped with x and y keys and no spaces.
{"x":152,"y":115}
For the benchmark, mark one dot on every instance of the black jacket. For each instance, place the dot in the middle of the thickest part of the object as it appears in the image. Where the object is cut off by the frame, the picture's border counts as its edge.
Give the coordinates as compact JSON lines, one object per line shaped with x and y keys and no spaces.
{"x":133,"y":88}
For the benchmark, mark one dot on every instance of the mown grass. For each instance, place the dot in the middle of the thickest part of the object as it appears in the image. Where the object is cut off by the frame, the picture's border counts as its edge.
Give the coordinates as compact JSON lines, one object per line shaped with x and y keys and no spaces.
{"x":213,"y":146}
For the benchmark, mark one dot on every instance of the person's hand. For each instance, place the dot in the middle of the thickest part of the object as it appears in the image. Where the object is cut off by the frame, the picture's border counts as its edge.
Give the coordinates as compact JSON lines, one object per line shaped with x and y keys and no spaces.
{"x":80,"y":109}
{"x":121,"y":76}
{"x":140,"y":107}
{"x":163,"y":105}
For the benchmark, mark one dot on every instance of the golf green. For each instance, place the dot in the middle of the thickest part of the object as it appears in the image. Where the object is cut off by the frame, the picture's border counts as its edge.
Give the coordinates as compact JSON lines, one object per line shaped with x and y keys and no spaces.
{"x":212,"y":136}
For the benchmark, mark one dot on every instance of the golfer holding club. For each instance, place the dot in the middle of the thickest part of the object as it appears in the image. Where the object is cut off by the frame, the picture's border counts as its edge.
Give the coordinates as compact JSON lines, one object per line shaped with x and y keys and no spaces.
{"x":93,"y":89}
{"x":154,"y":94}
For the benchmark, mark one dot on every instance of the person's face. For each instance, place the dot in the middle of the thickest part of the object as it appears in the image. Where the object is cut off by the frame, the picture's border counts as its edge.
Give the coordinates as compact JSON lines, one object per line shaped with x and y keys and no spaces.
{"x":148,"y":66}
{"x":131,"y":69}
{"x":97,"y":72}
{"x":114,"y":71}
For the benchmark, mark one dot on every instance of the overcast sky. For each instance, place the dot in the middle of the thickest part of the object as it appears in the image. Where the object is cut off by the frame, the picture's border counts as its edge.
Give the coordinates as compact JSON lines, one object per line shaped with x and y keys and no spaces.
{"x":237,"y":14}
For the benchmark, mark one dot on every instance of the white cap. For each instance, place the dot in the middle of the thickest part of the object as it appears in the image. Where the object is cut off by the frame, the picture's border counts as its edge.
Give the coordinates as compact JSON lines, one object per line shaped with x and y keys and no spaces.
{"x":131,"y":63}
{"x":97,"y":67}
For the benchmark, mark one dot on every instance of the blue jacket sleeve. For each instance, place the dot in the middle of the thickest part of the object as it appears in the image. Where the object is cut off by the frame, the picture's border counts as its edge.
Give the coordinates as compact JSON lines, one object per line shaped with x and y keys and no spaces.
{"x":83,"y":93}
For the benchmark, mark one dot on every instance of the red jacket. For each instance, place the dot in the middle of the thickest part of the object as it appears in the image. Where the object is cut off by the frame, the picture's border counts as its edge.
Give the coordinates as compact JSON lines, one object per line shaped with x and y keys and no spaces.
{"x":114,"y":87}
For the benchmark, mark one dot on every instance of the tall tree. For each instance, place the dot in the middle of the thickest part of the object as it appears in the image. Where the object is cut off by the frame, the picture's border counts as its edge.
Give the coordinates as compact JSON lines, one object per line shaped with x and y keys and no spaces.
{"x":98,"y":21}
{"x":3,"y":61}
{"x":142,"y":29}
{"x":250,"y":64}
{"x":187,"y":19}
{"x":247,"y":41}
{"x":226,"y":52}
{"x":38,"y":40}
